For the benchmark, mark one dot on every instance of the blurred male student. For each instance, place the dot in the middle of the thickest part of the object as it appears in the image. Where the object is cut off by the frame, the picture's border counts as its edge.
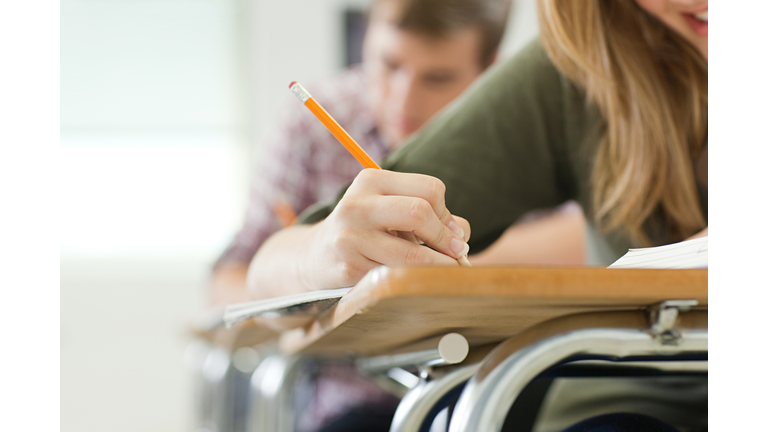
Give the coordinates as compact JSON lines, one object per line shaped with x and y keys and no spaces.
{"x":418,"y":55}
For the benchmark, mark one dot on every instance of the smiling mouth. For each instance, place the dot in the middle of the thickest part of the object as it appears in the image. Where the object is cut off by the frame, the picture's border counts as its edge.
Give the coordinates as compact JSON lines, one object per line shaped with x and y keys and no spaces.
{"x":701,"y":16}
{"x":698,"y":22}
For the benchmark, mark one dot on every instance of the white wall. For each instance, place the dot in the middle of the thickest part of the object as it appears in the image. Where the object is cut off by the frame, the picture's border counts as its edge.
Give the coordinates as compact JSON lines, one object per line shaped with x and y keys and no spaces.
{"x":152,"y":130}
{"x":149,"y":64}
{"x":124,"y":329}
{"x":150,"y":185}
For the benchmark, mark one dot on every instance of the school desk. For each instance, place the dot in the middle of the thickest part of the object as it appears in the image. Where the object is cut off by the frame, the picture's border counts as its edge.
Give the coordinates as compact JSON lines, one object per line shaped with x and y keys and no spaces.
{"x":540,"y":318}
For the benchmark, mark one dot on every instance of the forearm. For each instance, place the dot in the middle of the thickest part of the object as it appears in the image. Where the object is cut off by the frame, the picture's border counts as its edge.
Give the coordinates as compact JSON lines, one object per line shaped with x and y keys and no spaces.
{"x":556,"y":239}
{"x":275,"y":269}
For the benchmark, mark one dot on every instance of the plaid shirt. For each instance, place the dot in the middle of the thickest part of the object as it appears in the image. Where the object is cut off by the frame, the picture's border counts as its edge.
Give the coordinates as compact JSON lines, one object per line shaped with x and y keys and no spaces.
{"x":302,"y":163}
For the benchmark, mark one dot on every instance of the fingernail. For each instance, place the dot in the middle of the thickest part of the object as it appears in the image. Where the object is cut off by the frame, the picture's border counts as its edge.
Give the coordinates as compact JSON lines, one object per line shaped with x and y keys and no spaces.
{"x":459,"y":247}
{"x":453,"y":226}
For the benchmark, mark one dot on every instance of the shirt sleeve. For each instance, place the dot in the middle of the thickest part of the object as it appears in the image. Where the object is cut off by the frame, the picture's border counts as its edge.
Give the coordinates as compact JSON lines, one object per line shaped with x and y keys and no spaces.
{"x":282,"y":173}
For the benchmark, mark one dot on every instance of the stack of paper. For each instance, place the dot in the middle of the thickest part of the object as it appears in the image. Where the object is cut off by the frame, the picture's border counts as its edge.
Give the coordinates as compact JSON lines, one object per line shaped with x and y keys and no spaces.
{"x":297,"y":308}
{"x":684,"y":255}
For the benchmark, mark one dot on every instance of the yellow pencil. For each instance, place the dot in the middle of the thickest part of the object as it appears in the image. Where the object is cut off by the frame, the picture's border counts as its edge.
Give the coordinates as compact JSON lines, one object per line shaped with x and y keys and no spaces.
{"x":341,"y":135}
{"x":333,"y":126}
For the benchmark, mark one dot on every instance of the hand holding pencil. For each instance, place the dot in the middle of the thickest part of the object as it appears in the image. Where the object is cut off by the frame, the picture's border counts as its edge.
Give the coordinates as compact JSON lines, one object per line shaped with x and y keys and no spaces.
{"x":411,"y":205}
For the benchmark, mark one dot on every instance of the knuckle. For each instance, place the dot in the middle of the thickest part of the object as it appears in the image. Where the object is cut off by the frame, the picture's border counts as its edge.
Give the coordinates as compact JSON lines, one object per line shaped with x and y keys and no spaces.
{"x":342,"y":239}
{"x":419,"y":210}
{"x":358,"y":183}
{"x":437,"y":189}
{"x":348,"y":207}
{"x":415,"y":255}
{"x":349,"y":272}
{"x":365,"y":177}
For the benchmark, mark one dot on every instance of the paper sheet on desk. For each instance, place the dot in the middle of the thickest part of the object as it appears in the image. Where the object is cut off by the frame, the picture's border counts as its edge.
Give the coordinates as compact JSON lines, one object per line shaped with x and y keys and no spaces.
{"x":684,"y":255}
{"x":282,"y":313}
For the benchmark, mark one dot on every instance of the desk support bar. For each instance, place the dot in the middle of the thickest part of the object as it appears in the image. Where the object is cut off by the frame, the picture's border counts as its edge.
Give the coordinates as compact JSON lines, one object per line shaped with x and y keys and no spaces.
{"x":451,"y":349}
{"x":490,"y":393}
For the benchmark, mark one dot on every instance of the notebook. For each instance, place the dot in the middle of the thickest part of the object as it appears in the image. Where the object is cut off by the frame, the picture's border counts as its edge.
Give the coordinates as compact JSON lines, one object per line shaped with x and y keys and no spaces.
{"x":285,"y":312}
{"x":687,"y":254}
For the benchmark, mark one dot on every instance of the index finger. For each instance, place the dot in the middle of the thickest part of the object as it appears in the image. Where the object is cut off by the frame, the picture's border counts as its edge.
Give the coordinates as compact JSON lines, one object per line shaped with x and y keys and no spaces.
{"x":428,"y":188}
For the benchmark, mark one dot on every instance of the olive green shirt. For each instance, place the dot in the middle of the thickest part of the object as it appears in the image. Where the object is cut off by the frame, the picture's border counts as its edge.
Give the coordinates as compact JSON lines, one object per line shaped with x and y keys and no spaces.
{"x":523,"y":137}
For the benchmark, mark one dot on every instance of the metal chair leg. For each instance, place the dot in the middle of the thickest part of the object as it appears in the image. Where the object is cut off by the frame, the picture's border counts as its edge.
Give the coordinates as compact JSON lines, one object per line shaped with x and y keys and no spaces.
{"x":626,"y":335}
{"x":273,"y":391}
{"x":418,"y":403}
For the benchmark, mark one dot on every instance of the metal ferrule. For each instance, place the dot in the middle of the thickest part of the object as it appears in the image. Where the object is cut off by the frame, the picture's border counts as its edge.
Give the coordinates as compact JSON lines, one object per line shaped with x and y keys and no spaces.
{"x":300,"y":92}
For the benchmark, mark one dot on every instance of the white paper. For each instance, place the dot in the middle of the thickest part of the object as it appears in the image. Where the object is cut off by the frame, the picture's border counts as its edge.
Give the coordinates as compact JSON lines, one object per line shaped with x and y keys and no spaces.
{"x":309,"y":304}
{"x":684,"y":255}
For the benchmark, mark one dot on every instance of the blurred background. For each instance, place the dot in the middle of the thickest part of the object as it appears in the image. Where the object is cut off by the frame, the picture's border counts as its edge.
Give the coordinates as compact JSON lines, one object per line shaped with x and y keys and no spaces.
{"x":163,"y":106}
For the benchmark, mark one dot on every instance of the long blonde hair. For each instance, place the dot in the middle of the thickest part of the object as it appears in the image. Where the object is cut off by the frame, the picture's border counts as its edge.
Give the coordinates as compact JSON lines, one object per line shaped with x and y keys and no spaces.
{"x":650,"y":86}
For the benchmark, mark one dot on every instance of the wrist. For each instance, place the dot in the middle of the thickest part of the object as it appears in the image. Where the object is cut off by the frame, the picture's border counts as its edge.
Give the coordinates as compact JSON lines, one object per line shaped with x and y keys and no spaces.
{"x":302,"y":268}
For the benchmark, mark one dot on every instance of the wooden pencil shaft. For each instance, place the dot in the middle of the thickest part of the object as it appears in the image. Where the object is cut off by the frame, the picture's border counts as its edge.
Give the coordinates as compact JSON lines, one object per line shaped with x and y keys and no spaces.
{"x":341,"y":134}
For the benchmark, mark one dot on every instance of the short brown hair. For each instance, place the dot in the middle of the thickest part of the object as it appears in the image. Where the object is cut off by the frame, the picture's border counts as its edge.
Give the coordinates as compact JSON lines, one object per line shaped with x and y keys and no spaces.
{"x":438,"y":18}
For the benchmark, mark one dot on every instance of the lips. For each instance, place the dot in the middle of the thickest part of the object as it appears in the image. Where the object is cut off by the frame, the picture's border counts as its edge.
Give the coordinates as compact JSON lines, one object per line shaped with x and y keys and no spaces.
{"x":698,"y":22}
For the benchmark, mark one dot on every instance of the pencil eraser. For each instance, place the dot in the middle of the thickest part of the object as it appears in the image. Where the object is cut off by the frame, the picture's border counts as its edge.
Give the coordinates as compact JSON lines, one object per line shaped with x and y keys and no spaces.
{"x":291,"y":84}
